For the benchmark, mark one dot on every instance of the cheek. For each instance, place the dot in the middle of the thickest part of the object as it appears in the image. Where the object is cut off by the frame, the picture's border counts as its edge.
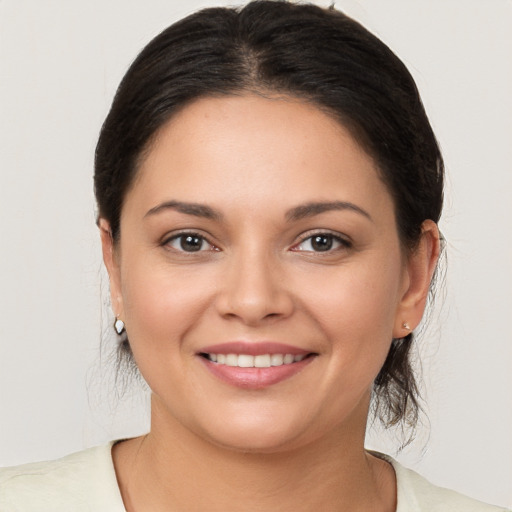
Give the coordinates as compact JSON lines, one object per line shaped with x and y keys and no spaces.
{"x":356,"y":307}
{"x":161,"y":305}
{"x":356,"y":315}
{"x":365,"y":297}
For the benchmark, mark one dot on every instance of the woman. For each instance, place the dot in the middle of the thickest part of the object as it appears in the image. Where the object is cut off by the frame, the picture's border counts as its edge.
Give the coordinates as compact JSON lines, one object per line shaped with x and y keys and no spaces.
{"x":269,"y":189}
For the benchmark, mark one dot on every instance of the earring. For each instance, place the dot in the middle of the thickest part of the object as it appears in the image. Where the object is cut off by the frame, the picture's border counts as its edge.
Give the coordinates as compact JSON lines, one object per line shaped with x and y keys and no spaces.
{"x":406,"y":326}
{"x":119,"y":326}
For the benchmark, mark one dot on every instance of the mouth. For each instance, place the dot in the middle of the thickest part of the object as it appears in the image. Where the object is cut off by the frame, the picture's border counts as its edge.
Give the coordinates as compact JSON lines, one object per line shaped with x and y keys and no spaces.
{"x":255,"y":365}
{"x":255,"y":361}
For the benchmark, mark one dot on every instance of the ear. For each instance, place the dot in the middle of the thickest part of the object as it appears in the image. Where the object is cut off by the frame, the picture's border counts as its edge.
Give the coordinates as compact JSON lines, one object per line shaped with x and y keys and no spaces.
{"x":110,"y":260}
{"x":419,"y":270}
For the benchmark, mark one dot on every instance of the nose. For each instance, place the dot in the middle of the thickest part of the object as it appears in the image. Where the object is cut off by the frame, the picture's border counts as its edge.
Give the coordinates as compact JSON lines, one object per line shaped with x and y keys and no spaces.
{"x":254,"y":289}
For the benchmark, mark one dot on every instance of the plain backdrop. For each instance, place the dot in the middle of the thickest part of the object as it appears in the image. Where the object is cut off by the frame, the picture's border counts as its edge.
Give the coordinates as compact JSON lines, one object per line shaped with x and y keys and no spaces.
{"x":60,"y":62}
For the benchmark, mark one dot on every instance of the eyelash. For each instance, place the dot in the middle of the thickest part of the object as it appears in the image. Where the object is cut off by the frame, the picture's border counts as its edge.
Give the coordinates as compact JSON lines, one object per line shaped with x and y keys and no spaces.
{"x":342,"y":243}
{"x":333,"y":239}
{"x":180,"y":237}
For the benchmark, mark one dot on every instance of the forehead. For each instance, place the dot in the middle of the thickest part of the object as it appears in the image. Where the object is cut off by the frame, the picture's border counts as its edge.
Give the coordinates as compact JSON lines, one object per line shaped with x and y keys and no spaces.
{"x":247,"y":150}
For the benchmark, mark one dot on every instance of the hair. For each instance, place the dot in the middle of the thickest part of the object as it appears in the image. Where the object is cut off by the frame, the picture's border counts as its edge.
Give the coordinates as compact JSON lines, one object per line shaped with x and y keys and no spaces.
{"x":319,"y":55}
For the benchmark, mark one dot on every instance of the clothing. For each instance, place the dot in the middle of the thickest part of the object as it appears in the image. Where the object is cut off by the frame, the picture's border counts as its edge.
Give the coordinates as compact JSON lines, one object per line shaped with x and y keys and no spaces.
{"x":83,"y":481}
{"x":86,"y":481}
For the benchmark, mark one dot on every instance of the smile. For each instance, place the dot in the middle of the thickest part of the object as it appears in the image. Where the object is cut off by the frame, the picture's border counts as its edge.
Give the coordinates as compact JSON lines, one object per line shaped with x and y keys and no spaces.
{"x":257,"y":361}
{"x":256,"y":364}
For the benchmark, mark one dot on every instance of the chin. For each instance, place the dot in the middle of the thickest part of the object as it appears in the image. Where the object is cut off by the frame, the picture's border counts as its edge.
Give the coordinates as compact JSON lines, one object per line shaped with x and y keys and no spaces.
{"x":257,"y":444}
{"x":258,"y":434}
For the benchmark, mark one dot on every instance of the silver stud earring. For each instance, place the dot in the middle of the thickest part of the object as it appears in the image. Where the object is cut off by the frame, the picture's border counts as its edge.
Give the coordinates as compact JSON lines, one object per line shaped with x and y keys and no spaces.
{"x":119,"y":326}
{"x":406,"y":326}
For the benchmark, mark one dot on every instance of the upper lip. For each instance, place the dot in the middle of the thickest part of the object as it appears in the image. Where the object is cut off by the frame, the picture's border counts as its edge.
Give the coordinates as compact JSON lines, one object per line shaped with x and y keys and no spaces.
{"x":253,"y":348}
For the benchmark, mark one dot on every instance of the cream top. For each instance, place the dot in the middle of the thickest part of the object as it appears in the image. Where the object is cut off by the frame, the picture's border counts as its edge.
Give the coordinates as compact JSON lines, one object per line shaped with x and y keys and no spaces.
{"x":86,"y":481}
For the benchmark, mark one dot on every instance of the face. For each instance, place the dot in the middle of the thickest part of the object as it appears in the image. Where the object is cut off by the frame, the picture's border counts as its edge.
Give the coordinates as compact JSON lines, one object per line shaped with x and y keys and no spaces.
{"x":259,"y":273}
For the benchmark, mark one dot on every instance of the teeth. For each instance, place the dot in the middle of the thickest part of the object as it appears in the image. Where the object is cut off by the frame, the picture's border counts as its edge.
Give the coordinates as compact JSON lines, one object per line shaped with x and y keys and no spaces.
{"x":232,"y":360}
{"x":260,"y":361}
{"x":288,"y":358}
{"x":245,"y":361}
{"x":276,"y":359}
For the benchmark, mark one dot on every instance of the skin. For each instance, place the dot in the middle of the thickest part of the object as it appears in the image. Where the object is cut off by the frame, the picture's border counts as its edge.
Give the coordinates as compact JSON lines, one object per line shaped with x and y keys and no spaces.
{"x":298,"y":444}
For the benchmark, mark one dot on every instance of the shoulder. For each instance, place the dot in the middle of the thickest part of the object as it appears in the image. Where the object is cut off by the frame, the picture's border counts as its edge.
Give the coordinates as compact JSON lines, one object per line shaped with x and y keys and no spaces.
{"x":416,"y":493}
{"x":83,"y":481}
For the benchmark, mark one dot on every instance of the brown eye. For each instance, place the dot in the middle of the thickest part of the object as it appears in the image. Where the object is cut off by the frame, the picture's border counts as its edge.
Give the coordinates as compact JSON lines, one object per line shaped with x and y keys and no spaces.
{"x":321,"y":242}
{"x":189,"y":242}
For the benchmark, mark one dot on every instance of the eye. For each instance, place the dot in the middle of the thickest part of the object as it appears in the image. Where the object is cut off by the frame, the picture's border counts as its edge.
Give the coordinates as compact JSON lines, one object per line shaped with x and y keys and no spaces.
{"x":321,"y":242}
{"x":189,"y":242}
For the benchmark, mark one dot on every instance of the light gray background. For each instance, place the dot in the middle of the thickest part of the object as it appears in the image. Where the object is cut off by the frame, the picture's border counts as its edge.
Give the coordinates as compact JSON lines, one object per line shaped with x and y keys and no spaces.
{"x":60,"y":62}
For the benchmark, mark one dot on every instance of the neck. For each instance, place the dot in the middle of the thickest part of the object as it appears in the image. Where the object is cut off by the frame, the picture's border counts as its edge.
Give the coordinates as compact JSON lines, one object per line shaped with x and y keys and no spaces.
{"x":173,"y":469}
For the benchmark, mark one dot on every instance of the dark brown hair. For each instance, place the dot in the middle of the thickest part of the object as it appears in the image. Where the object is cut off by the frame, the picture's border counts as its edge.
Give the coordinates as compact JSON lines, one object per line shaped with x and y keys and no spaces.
{"x":319,"y":55}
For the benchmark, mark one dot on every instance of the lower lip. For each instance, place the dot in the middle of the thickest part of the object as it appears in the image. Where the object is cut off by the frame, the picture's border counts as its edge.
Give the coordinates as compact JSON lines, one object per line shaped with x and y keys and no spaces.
{"x":255,"y":378}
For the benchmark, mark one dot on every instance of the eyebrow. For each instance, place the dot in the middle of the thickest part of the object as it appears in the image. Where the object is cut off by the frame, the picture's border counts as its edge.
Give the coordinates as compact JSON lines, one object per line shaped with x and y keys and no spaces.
{"x":196,"y":209}
{"x":311,"y":209}
{"x":294,"y":214}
